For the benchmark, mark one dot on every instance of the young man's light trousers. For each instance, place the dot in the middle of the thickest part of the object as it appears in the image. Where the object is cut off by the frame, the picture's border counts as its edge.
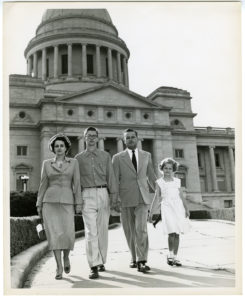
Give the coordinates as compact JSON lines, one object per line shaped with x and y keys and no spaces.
{"x":96,"y":213}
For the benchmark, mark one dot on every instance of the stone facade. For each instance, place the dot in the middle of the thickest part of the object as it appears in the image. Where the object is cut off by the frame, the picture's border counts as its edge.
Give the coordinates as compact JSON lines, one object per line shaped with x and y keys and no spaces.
{"x":77,"y":76}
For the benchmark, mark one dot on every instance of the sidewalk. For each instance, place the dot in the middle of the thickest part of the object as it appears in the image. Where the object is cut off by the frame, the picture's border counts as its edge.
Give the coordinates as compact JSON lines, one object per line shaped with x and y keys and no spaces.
{"x":207,"y":254}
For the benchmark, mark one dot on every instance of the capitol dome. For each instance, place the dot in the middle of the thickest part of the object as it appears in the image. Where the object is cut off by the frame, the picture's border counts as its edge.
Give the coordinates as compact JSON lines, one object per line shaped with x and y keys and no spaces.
{"x":77,"y":45}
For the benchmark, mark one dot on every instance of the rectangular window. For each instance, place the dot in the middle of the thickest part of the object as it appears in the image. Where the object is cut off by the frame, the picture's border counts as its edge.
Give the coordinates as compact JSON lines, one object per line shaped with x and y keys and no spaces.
{"x":217,"y":160}
{"x":90,"y":64}
{"x":227,"y":203}
{"x":64,"y":64}
{"x":179,"y":153}
{"x":21,"y":150}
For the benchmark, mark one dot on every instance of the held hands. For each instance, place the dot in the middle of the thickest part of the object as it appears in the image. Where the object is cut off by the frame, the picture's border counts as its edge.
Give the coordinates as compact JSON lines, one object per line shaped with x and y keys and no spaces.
{"x":150,"y":215}
{"x":79,"y":209}
{"x":187,"y":213}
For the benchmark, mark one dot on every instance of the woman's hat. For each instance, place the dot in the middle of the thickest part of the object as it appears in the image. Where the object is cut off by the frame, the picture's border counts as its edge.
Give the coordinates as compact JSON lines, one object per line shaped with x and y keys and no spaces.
{"x":59,"y":136}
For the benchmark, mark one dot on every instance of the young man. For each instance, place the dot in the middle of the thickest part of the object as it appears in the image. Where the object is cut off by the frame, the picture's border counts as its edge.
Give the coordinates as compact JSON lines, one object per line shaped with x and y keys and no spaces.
{"x":98,"y":186}
{"x":134,"y":173}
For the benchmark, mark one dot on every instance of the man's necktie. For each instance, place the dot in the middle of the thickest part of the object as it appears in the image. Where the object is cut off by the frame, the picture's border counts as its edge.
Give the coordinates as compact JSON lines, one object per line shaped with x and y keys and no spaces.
{"x":134,"y":160}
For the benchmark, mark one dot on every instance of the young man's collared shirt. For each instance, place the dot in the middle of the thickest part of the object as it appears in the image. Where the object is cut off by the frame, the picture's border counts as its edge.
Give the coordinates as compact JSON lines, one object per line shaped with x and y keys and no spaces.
{"x":96,"y":169}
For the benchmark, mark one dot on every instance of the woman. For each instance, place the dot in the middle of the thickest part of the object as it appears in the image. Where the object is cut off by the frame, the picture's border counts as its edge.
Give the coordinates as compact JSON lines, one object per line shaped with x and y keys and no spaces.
{"x":58,"y":193}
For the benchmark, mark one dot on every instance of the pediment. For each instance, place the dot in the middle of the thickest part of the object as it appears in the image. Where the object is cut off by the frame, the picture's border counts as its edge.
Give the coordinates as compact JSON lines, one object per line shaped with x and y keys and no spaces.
{"x":108,"y":95}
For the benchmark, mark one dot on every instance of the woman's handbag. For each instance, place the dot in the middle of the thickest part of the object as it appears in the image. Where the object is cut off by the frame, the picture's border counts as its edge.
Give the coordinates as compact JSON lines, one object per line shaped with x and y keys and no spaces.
{"x":41,"y":231}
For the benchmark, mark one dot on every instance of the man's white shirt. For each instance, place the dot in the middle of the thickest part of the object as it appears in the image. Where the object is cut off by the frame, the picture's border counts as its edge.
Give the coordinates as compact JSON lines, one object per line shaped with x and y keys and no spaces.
{"x":136,"y":155}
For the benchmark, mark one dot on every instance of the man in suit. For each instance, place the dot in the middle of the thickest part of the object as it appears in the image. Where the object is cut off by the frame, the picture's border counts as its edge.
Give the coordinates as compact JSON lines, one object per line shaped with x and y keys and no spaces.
{"x":134,"y":174}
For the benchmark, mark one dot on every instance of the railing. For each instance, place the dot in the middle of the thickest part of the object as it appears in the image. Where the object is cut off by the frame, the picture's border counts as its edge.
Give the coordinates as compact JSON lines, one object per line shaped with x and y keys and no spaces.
{"x":215,"y":130}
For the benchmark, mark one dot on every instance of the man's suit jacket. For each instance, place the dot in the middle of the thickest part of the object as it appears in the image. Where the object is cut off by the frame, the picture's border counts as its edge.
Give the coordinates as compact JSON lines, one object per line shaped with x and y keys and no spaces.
{"x":60,"y":185}
{"x":131,"y":184}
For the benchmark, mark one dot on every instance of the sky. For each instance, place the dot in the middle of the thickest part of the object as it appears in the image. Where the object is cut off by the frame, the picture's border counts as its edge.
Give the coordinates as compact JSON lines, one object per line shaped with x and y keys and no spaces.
{"x":191,"y":46}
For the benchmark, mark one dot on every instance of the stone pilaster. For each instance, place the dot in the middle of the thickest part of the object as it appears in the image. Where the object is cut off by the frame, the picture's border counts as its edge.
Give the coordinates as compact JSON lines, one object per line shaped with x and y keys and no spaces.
{"x":69,"y":60}
{"x":232,"y":167}
{"x":44,"y":64}
{"x":109,"y":56}
{"x":119,"y":145}
{"x":139,"y":144}
{"x":125,"y":71}
{"x":213,"y":169}
{"x":56,"y":55}
{"x":35,"y":64}
{"x":101,"y":144}
{"x":84,"y":60}
{"x":29,"y":65}
{"x":81,"y":146}
{"x":119,"y":71}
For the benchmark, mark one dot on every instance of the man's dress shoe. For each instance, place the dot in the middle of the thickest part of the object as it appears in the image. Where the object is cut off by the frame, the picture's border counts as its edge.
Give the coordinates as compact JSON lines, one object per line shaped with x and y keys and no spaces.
{"x":93,"y":273}
{"x":133,"y":264}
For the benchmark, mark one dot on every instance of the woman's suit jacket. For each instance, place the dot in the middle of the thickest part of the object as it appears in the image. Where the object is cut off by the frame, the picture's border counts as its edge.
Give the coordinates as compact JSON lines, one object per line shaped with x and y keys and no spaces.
{"x":60,"y":185}
{"x":131,"y":184}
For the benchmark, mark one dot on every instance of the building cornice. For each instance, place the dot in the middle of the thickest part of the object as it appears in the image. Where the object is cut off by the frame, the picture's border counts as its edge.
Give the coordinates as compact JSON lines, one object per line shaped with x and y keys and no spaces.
{"x":24,"y":105}
{"x":36,"y":41}
{"x":182,"y":114}
{"x":103,"y":125}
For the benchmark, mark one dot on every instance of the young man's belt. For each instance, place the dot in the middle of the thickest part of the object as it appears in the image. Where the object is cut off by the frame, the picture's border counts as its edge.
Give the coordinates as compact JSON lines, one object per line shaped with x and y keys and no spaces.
{"x":96,"y":187}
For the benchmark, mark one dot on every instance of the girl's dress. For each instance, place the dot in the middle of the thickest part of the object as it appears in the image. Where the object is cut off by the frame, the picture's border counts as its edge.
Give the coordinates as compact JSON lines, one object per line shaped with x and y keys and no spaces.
{"x":172,"y":208}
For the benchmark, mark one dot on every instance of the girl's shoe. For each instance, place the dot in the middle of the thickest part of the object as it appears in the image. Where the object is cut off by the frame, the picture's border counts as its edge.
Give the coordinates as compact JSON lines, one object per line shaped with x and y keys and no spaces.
{"x":177,"y":263}
{"x":170,"y":261}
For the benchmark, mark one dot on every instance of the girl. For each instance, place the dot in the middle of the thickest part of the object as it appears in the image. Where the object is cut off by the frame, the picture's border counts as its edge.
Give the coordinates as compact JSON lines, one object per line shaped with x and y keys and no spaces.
{"x":174,"y":210}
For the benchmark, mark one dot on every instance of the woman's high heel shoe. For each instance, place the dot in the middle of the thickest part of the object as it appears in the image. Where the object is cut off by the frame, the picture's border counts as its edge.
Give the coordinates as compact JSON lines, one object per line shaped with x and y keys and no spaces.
{"x":67,"y":266}
{"x":58,"y":275}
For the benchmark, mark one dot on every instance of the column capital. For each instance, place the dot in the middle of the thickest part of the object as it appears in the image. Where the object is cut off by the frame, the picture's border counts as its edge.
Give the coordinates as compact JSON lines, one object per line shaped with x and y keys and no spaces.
{"x":211,"y":146}
{"x":119,"y":138}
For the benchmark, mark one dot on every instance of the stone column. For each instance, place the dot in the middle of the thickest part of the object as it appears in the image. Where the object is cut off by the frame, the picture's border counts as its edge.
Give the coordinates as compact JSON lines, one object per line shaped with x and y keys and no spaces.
{"x":80,"y":143}
{"x":29,"y":65}
{"x":98,"y":63}
{"x":35,"y":64}
{"x":69,"y":60}
{"x":44,"y":64}
{"x":119,"y":71}
{"x":139,"y":144}
{"x":157,"y":154}
{"x":84,"y":60}
{"x":101,"y":144}
{"x":109,"y":56}
{"x":119,"y":145}
{"x":44,"y":150}
{"x":56,"y":55}
{"x":125,"y":72}
{"x":213,"y":168}
{"x":232,"y":167}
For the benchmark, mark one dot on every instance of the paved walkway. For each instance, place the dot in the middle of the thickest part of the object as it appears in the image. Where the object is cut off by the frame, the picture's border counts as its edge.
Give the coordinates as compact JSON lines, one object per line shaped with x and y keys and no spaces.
{"x":207,"y":254}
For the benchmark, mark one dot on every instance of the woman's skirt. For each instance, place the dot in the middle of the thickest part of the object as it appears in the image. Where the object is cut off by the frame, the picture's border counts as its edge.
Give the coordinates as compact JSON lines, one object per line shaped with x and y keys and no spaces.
{"x":59,"y":225}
